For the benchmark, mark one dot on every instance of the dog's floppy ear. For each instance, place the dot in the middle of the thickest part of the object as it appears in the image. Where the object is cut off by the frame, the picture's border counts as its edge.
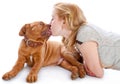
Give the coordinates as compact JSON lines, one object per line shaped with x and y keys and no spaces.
{"x":23,"y":30}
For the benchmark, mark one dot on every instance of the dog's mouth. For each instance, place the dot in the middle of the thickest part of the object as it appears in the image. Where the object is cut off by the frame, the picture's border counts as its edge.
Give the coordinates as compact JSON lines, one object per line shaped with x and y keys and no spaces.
{"x":47,"y":32}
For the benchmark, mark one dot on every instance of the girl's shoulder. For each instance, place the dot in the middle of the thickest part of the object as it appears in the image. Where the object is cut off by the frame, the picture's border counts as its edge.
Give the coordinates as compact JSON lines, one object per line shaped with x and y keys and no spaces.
{"x":88,"y":32}
{"x":89,"y":28}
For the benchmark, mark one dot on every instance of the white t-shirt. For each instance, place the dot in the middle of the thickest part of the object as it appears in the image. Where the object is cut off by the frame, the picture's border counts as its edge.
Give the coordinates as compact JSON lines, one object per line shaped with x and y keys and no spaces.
{"x":108,"y":44}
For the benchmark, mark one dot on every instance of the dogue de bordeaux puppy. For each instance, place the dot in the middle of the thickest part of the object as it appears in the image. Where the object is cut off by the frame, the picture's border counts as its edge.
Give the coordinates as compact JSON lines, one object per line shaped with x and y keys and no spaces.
{"x":37,"y":51}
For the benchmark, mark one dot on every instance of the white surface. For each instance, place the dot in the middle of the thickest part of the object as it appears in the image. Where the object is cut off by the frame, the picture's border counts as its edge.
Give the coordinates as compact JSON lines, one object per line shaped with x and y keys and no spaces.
{"x":58,"y":75}
{"x":15,"y":13}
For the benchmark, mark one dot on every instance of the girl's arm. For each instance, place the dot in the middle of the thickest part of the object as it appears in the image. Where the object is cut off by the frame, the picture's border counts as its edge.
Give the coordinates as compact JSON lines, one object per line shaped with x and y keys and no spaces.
{"x":91,"y":58}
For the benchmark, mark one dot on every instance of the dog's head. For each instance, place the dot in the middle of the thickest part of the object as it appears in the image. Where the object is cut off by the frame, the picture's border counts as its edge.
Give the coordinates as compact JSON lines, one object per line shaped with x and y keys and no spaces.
{"x":37,"y":31}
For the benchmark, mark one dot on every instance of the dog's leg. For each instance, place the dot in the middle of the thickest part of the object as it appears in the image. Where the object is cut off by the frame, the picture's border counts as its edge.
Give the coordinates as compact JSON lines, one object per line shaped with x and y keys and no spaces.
{"x":17,"y":67}
{"x":74,"y":62}
{"x":32,"y":76}
{"x":71,"y":68}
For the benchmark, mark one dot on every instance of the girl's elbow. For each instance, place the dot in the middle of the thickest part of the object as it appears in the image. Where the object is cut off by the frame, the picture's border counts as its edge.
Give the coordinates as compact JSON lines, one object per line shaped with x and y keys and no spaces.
{"x":100,"y":74}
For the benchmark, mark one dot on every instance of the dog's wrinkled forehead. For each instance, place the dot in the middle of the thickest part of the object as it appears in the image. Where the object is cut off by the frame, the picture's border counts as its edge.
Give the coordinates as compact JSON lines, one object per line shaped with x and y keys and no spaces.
{"x":36,"y":25}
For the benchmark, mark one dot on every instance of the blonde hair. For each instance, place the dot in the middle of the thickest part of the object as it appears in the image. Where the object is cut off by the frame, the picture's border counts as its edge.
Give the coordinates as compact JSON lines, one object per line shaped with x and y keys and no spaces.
{"x":74,"y":18}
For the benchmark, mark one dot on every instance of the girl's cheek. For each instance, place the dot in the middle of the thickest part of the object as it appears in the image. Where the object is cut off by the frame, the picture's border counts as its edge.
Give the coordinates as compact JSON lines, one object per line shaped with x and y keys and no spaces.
{"x":53,"y":22}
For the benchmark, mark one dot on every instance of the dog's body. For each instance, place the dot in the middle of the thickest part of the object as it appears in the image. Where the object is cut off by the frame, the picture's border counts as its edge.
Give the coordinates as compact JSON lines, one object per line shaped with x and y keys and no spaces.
{"x":48,"y":53}
{"x":37,"y":51}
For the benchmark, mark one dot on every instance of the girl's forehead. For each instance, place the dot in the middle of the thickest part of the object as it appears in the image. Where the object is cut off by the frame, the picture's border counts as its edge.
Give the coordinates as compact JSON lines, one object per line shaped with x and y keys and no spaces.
{"x":54,"y":15}
{"x":54,"y":12}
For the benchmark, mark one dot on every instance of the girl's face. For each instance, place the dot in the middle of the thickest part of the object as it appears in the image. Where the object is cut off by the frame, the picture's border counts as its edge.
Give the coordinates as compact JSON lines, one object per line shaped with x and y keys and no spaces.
{"x":56,"y":25}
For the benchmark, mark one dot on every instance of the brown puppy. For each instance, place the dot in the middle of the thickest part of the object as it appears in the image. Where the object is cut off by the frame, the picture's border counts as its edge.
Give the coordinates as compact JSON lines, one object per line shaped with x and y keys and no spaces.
{"x":37,"y":52}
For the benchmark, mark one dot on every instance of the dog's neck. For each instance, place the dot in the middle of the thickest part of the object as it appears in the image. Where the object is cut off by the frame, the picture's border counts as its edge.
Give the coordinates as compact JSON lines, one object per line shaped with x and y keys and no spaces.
{"x":32,"y":43}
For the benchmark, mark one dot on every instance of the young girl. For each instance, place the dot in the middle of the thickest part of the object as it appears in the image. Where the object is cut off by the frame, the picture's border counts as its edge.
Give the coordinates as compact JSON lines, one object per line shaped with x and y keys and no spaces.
{"x":98,"y":48}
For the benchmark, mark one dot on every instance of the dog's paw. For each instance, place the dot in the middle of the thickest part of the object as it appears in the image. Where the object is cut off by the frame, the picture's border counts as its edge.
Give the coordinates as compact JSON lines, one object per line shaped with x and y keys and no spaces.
{"x":74,"y":74}
{"x":31,"y":78}
{"x":8,"y":75}
{"x":82,"y":72}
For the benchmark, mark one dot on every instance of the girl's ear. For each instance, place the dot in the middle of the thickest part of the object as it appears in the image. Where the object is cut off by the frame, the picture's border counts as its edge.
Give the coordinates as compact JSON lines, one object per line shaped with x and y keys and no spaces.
{"x":63,"y":22}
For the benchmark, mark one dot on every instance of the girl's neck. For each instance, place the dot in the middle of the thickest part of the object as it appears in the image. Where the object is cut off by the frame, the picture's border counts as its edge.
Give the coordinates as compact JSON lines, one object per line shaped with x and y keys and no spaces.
{"x":66,"y":33}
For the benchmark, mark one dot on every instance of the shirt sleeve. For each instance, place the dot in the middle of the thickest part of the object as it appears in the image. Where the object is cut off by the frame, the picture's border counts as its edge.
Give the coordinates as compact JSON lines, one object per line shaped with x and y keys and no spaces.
{"x":87,"y":33}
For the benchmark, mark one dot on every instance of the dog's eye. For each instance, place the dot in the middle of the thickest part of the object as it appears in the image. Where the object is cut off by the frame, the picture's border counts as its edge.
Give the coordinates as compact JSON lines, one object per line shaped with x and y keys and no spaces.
{"x":41,"y":23}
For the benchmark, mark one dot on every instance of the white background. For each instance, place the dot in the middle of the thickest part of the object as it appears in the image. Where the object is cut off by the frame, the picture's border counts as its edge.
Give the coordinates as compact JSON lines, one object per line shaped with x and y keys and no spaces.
{"x":15,"y":13}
